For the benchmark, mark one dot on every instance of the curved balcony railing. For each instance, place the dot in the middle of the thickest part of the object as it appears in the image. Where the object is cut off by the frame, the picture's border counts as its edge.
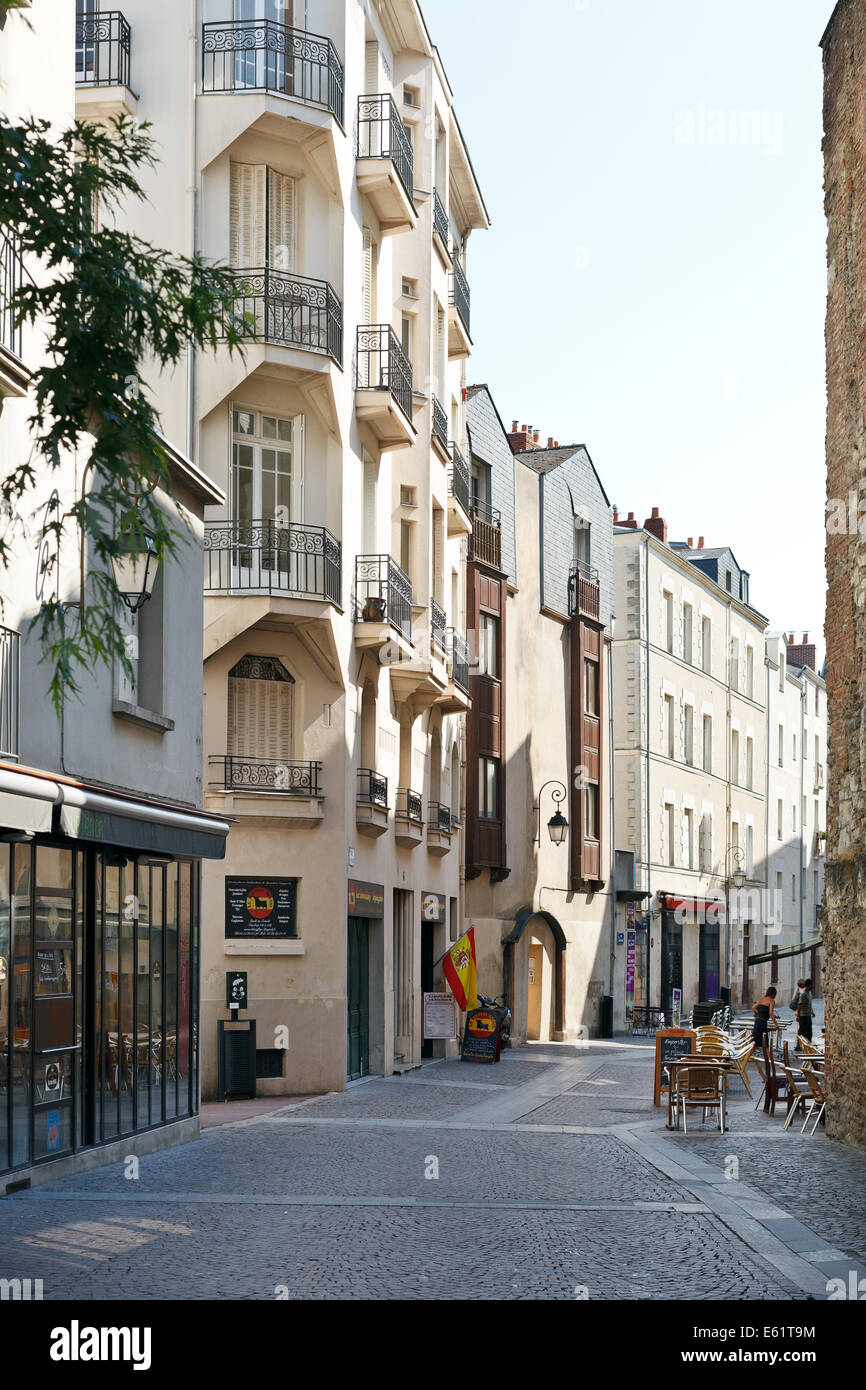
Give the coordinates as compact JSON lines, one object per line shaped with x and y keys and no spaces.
{"x":277,"y":306}
{"x":372,"y":788}
{"x":11,"y":274}
{"x":246,"y":55}
{"x":440,"y":219}
{"x":284,"y":777}
{"x":383,"y":593}
{"x":460,"y":293}
{"x":459,"y":650}
{"x":382,"y":135}
{"x":266,"y":557}
{"x":381,"y":365}
{"x":409,"y":806}
{"x":439,"y":817}
{"x":459,"y":482}
{"x":102,"y":50}
{"x":440,"y":423}
{"x":10,"y":672}
{"x":584,"y":595}
{"x":438,"y":627}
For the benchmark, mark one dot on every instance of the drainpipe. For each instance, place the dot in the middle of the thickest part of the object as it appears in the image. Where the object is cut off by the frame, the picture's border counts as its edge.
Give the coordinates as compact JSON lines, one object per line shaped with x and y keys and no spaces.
{"x":767,"y":680}
{"x":192,"y":173}
{"x":612,"y":774}
{"x":649,"y":871}
{"x":803,"y":689}
{"x":728,"y":823}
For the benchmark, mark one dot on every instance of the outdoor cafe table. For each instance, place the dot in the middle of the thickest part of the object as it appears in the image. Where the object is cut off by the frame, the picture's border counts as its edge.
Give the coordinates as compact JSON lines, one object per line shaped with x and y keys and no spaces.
{"x":697,"y":1063}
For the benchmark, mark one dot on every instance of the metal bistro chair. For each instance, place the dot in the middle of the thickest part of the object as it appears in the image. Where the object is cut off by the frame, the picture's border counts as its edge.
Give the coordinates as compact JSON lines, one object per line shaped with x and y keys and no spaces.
{"x":816,"y":1085}
{"x":701,"y":1088}
{"x":797,"y":1093}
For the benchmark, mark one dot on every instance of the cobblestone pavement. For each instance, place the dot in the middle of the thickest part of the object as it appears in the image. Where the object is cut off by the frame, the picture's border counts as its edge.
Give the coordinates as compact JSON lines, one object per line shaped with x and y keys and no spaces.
{"x":552,"y":1172}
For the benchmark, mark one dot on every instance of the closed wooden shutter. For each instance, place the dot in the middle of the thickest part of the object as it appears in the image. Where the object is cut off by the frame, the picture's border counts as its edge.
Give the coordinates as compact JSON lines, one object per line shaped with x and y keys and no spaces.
{"x":368,"y":282}
{"x":247,"y":216}
{"x":371,"y":69}
{"x":298,"y":468}
{"x":282,"y":221}
{"x":438,"y":555}
{"x":260,"y":713}
{"x":370,"y":536}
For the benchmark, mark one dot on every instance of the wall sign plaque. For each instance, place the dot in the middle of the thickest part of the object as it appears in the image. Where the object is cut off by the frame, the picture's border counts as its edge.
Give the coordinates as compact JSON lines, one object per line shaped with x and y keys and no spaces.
{"x":261,"y":907}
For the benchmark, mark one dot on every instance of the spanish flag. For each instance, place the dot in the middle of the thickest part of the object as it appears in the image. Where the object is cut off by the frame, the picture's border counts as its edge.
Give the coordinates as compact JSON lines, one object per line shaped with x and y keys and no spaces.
{"x":460,"y":971}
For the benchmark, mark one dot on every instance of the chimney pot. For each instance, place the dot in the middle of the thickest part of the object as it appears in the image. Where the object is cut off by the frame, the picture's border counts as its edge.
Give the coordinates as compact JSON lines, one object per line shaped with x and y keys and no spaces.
{"x":514,"y":427}
{"x":791,"y":638}
{"x":631,"y":516}
{"x":691,"y":542}
{"x":700,"y":543}
{"x":654,"y":513}
{"x":550,"y":441}
{"x":805,"y":638}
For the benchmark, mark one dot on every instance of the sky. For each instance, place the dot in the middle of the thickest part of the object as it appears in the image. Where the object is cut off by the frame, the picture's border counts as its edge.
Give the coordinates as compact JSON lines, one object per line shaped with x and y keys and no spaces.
{"x":653,"y":282}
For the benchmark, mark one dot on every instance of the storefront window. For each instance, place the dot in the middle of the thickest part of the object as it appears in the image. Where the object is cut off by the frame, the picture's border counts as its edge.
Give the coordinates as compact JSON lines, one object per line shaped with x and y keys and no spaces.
{"x":157,"y":896}
{"x":111,"y":1002}
{"x":143,"y":1039}
{"x":20,"y":1005}
{"x":5,"y":974}
{"x":126,"y":997}
{"x":171,"y":983}
{"x":184,"y":987}
{"x":53,"y":1003}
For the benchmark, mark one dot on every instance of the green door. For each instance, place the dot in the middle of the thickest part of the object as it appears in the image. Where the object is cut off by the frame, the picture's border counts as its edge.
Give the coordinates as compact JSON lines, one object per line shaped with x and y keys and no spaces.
{"x":358,"y":990}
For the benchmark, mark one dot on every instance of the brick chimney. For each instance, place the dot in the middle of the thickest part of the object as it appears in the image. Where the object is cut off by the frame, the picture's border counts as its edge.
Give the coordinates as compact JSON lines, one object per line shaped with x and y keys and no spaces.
{"x":700,"y":542}
{"x":802,"y":653}
{"x":657,"y":526}
{"x":630,"y":521}
{"x":691,"y":542}
{"x":519,"y":439}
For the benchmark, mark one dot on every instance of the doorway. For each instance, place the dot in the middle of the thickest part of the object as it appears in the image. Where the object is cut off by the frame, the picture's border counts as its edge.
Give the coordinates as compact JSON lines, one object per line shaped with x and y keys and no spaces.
{"x":428,"y":932}
{"x":708,"y":962}
{"x":358,"y":992}
{"x":672,"y":959}
{"x":536,"y":970}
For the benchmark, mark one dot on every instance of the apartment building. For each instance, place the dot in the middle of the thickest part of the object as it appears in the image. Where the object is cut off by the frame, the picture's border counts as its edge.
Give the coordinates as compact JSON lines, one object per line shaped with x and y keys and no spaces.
{"x":539,"y":887}
{"x":690,"y":749}
{"x":316,"y":150}
{"x":101,"y":831}
{"x":796,"y":811}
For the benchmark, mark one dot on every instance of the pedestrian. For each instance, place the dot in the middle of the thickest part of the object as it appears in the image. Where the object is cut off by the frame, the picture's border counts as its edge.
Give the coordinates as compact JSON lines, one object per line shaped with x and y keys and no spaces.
{"x":804,"y":1011}
{"x":765,"y":1012}
{"x":795,"y":997}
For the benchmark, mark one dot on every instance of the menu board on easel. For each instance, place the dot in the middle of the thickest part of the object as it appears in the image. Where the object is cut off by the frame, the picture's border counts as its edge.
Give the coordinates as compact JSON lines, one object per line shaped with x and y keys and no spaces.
{"x":671,"y":1043}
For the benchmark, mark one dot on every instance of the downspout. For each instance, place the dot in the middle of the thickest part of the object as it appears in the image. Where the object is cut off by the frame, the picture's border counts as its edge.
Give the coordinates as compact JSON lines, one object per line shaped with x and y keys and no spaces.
{"x":612,"y":775}
{"x":728,"y":826}
{"x":803,"y":689}
{"x":193,"y":155}
{"x":649,"y":857}
{"x":767,"y":681}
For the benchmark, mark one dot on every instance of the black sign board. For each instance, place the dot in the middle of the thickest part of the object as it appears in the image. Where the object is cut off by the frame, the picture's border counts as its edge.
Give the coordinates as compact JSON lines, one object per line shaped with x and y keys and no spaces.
{"x":236,"y":989}
{"x":261,"y":907}
{"x":433,"y":907}
{"x":671,"y":1043}
{"x":481,"y":1040}
{"x":365,"y":899}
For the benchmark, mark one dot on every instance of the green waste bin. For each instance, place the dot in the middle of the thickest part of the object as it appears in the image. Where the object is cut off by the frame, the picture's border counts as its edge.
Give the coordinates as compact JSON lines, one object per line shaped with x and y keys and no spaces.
{"x":605,"y":1016}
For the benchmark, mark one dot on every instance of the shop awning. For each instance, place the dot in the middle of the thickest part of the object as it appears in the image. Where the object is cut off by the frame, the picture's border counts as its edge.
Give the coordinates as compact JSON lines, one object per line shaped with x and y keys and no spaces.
{"x":632,"y":895}
{"x":26,"y":803}
{"x":88,"y":814}
{"x":797,"y":950}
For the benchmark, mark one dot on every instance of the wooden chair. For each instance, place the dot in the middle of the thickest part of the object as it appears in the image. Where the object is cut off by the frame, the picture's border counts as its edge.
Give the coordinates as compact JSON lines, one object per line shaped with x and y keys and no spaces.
{"x":798,"y":1092}
{"x":819,"y":1098}
{"x":761,"y":1068}
{"x":740,"y":1051}
{"x":776,"y":1086}
{"x":702,"y":1089}
{"x":804,"y":1045}
{"x":710,"y":1042}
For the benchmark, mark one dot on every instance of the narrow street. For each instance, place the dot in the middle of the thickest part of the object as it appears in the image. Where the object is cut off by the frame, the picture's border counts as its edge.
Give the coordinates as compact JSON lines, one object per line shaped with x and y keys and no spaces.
{"x":549,"y":1176}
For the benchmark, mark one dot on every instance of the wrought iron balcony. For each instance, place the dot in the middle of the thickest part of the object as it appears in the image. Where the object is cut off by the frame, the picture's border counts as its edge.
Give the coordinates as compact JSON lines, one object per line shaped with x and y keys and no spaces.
{"x":372,"y":788}
{"x":486,"y":542}
{"x":266,"y":557}
{"x":10,"y":669}
{"x":459,"y":296}
{"x":275,"y":306}
{"x":459,"y":482}
{"x":459,"y":649}
{"x":382,"y":135}
{"x":381,"y":365}
{"x":438,"y":627}
{"x":439,"y":817}
{"x":440,"y":219}
{"x":234,"y":772}
{"x":440,"y":423}
{"x":11,"y":274}
{"x":102,"y":50}
{"x":383,"y":593}
{"x":246,"y":55}
{"x":584,"y":595}
{"x":409,"y":806}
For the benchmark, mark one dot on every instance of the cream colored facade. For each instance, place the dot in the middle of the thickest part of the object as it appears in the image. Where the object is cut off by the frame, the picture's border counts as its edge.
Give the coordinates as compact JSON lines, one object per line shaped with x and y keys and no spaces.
{"x":283,"y":135}
{"x":690,"y":758}
{"x":796,"y":810}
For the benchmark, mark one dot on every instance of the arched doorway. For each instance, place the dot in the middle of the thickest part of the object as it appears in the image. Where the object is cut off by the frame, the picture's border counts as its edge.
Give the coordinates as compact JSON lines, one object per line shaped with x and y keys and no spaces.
{"x":534,"y":976}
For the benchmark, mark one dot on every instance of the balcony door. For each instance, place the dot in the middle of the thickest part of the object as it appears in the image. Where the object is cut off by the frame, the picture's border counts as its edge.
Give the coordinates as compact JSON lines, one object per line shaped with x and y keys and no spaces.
{"x":263,"y":242}
{"x":85,"y":45}
{"x":268,"y":59}
{"x":267,"y":501}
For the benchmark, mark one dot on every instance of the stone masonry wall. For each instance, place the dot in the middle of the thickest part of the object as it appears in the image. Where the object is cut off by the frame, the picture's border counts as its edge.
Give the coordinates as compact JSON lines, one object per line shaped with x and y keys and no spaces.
{"x":844,"y":918}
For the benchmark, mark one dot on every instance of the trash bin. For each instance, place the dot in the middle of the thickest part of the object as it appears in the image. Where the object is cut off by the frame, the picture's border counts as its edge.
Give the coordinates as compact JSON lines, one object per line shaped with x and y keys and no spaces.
{"x":605,"y":1016}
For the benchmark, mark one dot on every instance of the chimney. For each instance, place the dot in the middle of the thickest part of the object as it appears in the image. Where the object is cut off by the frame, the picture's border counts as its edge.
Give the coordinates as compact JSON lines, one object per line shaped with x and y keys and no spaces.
{"x":805,"y":639}
{"x":802,"y":653}
{"x":513,"y":426}
{"x":550,"y":441}
{"x":519,"y":439}
{"x":556,"y":443}
{"x":535,"y":439}
{"x":615,"y":517}
{"x":790,"y":638}
{"x":630,"y":521}
{"x":691,"y":542}
{"x":657,"y":526}
{"x":700,"y":542}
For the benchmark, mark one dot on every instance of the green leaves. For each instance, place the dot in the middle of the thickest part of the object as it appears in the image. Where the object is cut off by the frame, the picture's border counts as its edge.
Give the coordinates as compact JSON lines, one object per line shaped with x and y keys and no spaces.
{"x":109,"y":303}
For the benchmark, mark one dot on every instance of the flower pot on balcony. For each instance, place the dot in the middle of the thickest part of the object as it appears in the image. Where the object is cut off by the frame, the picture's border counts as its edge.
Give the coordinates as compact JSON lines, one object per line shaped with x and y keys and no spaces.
{"x":373,"y":610}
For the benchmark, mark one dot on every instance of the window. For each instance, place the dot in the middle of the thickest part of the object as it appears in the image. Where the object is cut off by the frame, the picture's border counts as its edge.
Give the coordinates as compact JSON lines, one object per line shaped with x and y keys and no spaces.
{"x":687,"y":632}
{"x":582,"y":542}
{"x":816,"y":823}
{"x":590,"y":686}
{"x":408,"y":496}
{"x":750,"y":851}
{"x":706,"y":645}
{"x":817,"y":749}
{"x":590,"y":812}
{"x":406,"y":336}
{"x":669,"y":726}
{"x":409,"y":288}
{"x":406,"y":547}
{"x":728,"y":581}
{"x":708,"y":743}
{"x":750,"y":763}
{"x":669,"y":621}
{"x":411,"y":96}
{"x":669,"y":834}
{"x":488,"y":788}
{"x":816,"y":891}
{"x":816,"y":699}
{"x":794,"y":886}
{"x":689,"y":734}
{"x":706,"y":847}
{"x":750,"y":672}
{"x":689,"y":836}
{"x":779,"y":813}
{"x":267,"y":475}
{"x":781,"y":745}
{"x":795,"y":747}
{"x":488,"y":645}
{"x":263,"y":220}
{"x":735,"y":756}
{"x":782,"y":672}
{"x":794,"y":817}
{"x":735,"y":664}
{"x":260,"y":717}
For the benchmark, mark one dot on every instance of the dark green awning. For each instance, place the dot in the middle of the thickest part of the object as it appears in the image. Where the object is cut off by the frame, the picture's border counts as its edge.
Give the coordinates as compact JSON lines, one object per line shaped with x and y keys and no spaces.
{"x":788,"y":951}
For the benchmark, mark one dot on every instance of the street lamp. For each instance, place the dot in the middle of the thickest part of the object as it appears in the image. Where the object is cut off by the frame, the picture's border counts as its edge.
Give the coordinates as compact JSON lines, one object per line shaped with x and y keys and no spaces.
{"x":557,"y":825}
{"x":135,"y":565}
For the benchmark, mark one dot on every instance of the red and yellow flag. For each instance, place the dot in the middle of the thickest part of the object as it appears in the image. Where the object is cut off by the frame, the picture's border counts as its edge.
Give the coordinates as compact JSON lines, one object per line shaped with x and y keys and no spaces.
{"x":460,"y":971}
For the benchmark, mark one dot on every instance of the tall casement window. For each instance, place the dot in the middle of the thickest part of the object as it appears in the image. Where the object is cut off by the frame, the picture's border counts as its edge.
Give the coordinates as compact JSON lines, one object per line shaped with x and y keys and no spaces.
{"x":750,"y":672}
{"x":735,"y":663}
{"x":706,"y":645}
{"x":708,"y":742}
{"x":668,"y":747}
{"x":488,"y":788}
{"x":488,"y":645}
{"x":750,"y":763}
{"x":263,"y":229}
{"x":267,"y":494}
{"x":582,"y":543}
{"x":781,"y":745}
{"x":668,"y":617}
{"x":735,"y":756}
{"x":591,"y":697}
{"x":779,"y":814}
{"x":688,"y":613}
{"x":670,"y":855}
{"x":587,"y":699}
{"x":689,"y":734}
{"x":591,"y":826}
{"x":260,"y":722}
{"x":750,"y":850}
{"x":689,"y":837}
{"x":267,"y":65}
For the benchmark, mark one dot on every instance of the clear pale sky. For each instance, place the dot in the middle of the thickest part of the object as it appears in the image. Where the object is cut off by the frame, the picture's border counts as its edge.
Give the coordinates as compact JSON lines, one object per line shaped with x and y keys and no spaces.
{"x":653,"y":282}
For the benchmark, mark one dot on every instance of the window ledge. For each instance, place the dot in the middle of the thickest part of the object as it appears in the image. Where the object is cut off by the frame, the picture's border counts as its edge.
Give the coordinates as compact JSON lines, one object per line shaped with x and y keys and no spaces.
{"x":264,"y":946}
{"x":137,"y":714}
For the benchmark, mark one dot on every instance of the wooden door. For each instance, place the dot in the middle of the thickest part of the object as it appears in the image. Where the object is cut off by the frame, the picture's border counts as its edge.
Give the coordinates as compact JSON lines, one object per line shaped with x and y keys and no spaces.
{"x":536,"y":965}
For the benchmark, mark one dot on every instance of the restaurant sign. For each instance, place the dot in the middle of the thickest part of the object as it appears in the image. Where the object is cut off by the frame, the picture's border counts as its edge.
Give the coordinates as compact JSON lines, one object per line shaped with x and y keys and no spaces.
{"x":366,"y":899}
{"x":258,"y":907}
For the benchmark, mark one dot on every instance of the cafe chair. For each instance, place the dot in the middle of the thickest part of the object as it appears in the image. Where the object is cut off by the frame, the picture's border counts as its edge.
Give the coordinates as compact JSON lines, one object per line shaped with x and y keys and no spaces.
{"x":776,"y":1086}
{"x":819,"y":1099}
{"x":798,"y":1092}
{"x":700,"y":1088}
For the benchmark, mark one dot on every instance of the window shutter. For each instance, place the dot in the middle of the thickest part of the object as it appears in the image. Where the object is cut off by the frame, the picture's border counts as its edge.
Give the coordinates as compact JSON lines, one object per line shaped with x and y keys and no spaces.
{"x":260,"y":718}
{"x":247,"y":229}
{"x":368,"y":298}
{"x":370,"y":529}
{"x":371,"y":69}
{"x":282,"y":221}
{"x":438,"y":556}
{"x":298,"y":468}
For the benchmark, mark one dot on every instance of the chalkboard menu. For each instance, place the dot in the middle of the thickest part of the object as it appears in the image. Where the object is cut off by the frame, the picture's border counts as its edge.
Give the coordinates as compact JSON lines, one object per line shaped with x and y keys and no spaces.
{"x":258,"y":907}
{"x":671,"y":1043}
{"x":481,"y":1038}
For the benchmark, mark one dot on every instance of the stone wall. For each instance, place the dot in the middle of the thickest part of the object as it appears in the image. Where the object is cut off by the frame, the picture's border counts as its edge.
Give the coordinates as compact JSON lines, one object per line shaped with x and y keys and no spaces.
{"x":844,"y":920}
